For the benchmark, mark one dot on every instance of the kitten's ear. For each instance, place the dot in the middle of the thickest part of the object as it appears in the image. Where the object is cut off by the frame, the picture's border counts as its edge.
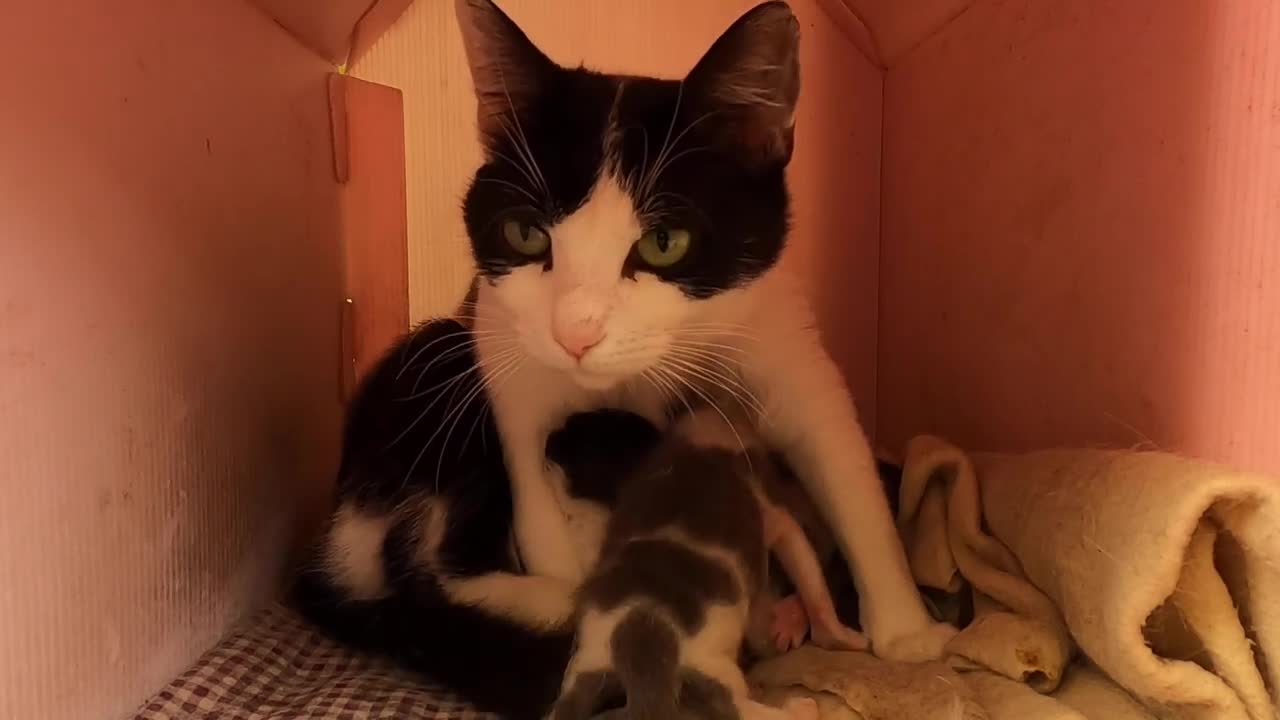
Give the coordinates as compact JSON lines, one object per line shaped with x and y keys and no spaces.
{"x":750,"y":79}
{"x":507,"y":69}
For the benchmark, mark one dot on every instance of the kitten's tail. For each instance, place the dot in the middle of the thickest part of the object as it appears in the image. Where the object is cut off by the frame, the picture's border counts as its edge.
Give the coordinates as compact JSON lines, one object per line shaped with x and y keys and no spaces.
{"x":646,"y":656}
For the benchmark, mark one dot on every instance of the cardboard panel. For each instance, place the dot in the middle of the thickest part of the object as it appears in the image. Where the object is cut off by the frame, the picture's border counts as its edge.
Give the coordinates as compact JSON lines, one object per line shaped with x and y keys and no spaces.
{"x":1082,"y":206}
{"x":169,"y":284}
{"x":835,"y":172}
{"x":369,"y":156}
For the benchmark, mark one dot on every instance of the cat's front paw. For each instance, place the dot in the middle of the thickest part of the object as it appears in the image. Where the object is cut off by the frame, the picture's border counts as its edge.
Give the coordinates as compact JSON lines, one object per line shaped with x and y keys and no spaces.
{"x":789,"y":623}
{"x":829,"y":633}
{"x":920,"y":646}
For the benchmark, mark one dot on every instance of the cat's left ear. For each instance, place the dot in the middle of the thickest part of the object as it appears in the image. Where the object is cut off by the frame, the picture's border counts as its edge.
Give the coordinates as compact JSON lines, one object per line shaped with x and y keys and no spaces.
{"x":508,"y":70}
{"x":750,"y":81}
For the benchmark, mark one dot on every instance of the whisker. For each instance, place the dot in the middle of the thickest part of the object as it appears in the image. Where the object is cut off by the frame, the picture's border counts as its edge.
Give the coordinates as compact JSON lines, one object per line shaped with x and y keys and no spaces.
{"x":716,"y":332}
{"x":515,"y":143}
{"x":451,"y":382}
{"x":647,"y":184}
{"x":515,"y":117}
{"x":711,"y":402}
{"x":502,"y":354}
{"x":664,"y":376}
{"x":732,"y":386}
{"x":457,"y":414}
{"x":668,"y":399}
{"x":452,"y":412}
{"x":512,"y":186}
{"x":719,"y":324}
{"x":750,"y":410}
{"x":728,"y":364}
{"x":428,"y":346}
{"x":526,"y":174}
{"x":494,"y":384}
{"x":715,"y":345}
{"x":662,"y":163}
{"x":500,"y":342}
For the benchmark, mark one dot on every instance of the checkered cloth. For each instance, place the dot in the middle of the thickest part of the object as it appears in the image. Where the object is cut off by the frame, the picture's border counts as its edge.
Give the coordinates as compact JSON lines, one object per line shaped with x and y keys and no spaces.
{"x":278,"y":667}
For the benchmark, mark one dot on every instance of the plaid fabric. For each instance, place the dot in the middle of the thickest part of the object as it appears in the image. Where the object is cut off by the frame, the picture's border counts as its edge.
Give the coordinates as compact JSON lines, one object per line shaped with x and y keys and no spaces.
{"x":277,"y":667}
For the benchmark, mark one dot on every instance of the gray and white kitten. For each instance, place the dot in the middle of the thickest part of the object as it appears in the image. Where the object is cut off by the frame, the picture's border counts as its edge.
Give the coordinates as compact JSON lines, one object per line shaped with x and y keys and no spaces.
{"x":682,"y":581}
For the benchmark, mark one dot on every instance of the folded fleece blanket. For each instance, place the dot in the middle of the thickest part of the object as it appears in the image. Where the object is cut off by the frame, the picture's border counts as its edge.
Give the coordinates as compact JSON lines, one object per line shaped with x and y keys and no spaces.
{"x":1106,"y":585}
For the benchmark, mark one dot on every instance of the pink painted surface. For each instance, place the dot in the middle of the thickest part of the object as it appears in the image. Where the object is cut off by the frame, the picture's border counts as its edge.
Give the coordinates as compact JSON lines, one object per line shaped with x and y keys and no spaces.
{"x":1082,"y":229}
{"x":324,"y":27}
{"x":898,"y":27}
{"x":169,"y":285}
{"x":335,"y":28}
{"x":372,"y":204}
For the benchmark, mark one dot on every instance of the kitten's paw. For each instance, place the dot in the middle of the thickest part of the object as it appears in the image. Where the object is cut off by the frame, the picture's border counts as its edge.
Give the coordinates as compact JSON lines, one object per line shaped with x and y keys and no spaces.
{"x":789,"y":623}
{"x":920,"y":646}
{"x":831,"y":634}
{"x":801,"y":708}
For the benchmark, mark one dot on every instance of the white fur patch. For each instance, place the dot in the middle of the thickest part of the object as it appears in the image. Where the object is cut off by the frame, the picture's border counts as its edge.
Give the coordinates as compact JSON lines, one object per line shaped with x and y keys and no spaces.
{"x":431,"y":528}
{"x":530,"y":600}
{"x":585,"y":295}
{"x":354,"y":553}
{"x":588,"y":521}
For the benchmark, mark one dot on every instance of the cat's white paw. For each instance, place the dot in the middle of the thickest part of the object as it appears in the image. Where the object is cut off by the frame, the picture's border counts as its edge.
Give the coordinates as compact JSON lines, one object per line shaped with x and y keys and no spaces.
{"x":920,"y":646}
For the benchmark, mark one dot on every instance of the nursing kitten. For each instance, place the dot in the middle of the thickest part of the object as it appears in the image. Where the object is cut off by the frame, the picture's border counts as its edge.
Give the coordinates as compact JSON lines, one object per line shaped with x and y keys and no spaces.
{"x":626,"y":231}
{"x":681,"y":583}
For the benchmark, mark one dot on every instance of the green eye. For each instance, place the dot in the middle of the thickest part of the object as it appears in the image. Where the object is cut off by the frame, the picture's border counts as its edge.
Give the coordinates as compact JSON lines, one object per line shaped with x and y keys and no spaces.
{"x":525,"y":238}
{"x":663,"y":247}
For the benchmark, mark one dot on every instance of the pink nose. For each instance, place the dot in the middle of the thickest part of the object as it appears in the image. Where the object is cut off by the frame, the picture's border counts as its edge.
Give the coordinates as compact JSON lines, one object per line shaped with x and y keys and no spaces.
{"x":579,"y":340}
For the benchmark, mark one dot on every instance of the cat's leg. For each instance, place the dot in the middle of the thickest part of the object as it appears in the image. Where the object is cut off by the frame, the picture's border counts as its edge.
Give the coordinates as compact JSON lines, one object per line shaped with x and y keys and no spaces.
{"x":788,"y":623}
{"x":793,"y":709}
{"x":811,"y":418}
{"x":532,"y":601}
{"x":790,"y":545}
{"x":524,"y":416}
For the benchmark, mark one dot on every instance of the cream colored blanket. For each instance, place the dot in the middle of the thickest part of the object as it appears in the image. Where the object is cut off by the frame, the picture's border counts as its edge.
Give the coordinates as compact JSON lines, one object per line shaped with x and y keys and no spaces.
{"x":1163,"y":572}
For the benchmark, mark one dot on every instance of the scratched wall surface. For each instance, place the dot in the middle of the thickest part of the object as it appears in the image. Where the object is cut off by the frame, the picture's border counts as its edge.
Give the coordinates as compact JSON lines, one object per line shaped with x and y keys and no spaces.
{"x":169,"y":284}
{"x":1082,"y":229}
{"x":835,"y":174}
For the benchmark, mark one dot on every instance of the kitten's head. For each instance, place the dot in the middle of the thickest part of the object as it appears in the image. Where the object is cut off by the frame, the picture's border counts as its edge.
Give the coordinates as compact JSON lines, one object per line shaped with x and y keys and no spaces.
{"x":612,"y":211}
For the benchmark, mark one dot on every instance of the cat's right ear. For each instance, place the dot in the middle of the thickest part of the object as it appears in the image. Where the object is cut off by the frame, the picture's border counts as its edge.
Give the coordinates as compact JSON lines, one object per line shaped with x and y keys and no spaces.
{"x":507,"y":69}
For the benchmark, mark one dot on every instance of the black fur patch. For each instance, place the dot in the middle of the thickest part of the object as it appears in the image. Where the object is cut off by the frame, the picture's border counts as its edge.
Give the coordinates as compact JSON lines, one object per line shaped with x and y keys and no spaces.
{"x":598,"y":449}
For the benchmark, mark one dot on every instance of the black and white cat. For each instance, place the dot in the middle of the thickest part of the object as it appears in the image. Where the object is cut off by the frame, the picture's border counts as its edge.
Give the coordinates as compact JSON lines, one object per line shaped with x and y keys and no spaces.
{"x":626,"y":231}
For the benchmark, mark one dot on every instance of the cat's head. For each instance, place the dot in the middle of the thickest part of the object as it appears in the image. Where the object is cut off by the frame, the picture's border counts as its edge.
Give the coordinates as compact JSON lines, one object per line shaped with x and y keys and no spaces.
{"x":612,"y":211}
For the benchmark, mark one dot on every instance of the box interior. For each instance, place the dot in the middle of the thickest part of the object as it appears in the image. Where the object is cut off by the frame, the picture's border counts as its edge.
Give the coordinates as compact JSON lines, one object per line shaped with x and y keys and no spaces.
{"x":1023,"y":223}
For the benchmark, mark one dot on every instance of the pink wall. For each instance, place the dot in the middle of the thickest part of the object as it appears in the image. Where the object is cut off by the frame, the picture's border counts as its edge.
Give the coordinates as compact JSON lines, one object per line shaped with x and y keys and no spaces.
{"x":169,"y":277}
{"x":1082,"y":228}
